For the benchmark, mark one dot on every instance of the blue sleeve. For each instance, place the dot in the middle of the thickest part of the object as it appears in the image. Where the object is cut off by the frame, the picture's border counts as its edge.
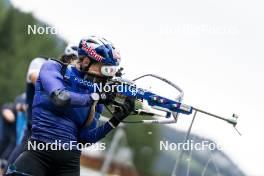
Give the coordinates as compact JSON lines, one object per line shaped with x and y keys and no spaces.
{"x":88,"y":135}
{"x":52,"y":80}
{"x":99,"y":108}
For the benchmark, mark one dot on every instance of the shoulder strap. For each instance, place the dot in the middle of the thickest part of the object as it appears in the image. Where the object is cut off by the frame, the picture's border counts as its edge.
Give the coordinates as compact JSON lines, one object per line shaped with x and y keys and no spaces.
{"x":63,"y":66}
{"x":90,"y":116}
{"x":92,"y":110}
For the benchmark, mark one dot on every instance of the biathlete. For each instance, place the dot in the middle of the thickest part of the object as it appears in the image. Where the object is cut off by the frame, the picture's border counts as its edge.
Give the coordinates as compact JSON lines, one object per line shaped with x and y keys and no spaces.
{"x":66,"y":110}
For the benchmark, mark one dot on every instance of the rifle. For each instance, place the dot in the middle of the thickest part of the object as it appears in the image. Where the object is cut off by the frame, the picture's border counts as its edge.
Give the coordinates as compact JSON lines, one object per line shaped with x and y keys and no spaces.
{"x":172,"y":108}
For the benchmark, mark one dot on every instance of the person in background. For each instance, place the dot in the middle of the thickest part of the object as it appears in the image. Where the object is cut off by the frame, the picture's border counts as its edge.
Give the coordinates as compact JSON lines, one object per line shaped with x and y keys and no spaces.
{"x":13,"y":126}
{"x":8,"y":131}
{"x":21,"y":120}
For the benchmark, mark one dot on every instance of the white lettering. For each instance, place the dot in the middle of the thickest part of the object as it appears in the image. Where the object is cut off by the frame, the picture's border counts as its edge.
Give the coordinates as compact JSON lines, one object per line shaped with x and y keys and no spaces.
{"x":164,"y":145}
{"x":34,"y":31}
{"x":41,"y":30}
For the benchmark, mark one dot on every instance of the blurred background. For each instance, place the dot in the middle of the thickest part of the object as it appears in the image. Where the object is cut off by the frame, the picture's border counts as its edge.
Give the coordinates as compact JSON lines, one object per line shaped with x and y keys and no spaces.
{"x":212,"y":49}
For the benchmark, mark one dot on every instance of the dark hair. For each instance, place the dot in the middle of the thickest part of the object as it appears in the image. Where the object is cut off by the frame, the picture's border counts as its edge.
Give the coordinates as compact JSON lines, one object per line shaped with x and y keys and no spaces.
{"x":67,"y":59}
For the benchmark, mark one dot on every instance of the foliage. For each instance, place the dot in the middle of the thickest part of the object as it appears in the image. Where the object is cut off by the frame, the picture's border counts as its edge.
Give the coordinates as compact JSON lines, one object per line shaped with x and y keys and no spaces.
{"x":17,"y":49}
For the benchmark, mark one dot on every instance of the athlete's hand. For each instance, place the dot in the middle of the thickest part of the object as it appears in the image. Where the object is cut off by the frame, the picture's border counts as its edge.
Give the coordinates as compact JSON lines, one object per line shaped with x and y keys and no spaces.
{"x":106,"y":98}
{"x":123,"y":111}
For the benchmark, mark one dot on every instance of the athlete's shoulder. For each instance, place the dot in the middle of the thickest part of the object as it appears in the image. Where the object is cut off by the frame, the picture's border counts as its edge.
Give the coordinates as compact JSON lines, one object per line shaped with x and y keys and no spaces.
{"x":51,"y":64}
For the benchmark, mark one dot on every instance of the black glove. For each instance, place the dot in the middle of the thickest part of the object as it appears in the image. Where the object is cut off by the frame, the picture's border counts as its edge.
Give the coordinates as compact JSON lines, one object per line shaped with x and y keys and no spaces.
{"x":123,"y":111}
{"x":106,"y":98}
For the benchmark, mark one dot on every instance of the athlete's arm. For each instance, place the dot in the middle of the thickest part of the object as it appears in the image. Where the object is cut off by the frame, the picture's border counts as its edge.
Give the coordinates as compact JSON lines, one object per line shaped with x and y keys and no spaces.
{"x":53,"y":83}
{"x":88,"y":135}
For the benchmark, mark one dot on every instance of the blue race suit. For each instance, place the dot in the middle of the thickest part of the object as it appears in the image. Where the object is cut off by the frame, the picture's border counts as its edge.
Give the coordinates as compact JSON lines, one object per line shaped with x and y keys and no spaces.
{"x":50,"y":122}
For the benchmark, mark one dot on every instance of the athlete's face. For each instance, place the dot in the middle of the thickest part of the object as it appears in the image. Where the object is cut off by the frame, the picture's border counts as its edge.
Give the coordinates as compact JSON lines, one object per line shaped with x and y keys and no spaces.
{"x":95,"y":68}
{"x":85,"y":62}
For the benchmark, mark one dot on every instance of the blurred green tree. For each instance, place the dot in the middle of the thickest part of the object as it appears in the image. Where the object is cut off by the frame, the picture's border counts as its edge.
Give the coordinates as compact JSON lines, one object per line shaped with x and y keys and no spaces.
{"x":17,"y":49}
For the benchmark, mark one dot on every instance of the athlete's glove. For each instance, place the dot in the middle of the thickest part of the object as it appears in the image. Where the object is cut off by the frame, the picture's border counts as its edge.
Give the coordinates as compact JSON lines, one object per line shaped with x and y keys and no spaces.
{"x":105,"y":98}
{"x":123,"y":111}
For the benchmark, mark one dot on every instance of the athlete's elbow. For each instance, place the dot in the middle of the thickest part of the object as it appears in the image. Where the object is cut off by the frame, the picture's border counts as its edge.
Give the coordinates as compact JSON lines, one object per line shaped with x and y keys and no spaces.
{"x":60,"y":98}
